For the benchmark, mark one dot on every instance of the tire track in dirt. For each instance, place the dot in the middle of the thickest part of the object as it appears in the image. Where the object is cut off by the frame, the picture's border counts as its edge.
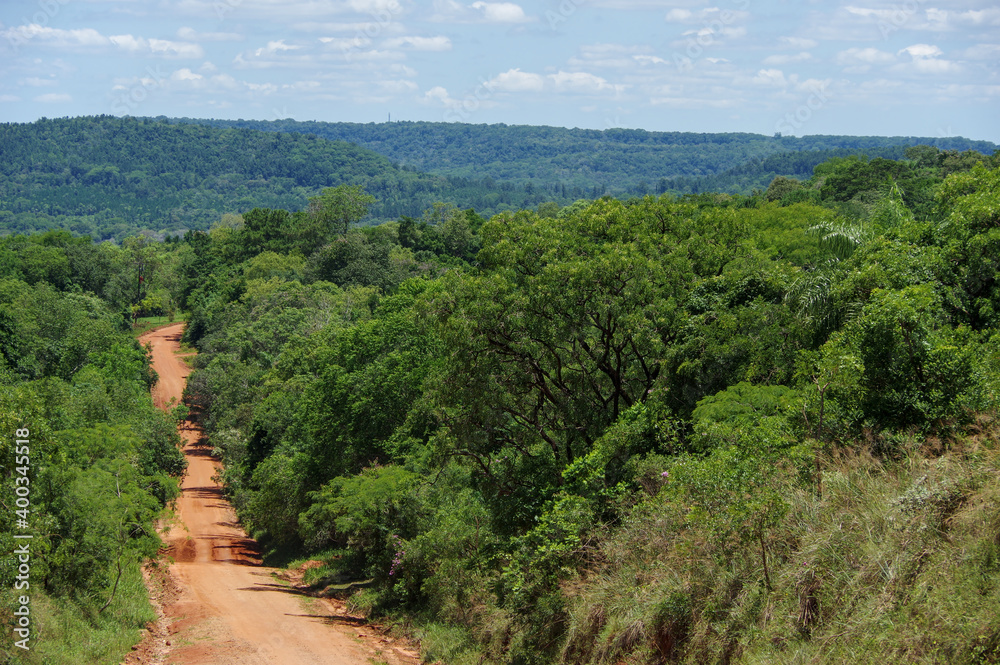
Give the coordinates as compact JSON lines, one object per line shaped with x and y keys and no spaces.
{"x":225,"y":606}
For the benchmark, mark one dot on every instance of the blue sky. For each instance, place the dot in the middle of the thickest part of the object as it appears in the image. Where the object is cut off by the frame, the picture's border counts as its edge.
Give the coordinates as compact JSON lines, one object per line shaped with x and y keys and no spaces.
{"x":909,"y":67}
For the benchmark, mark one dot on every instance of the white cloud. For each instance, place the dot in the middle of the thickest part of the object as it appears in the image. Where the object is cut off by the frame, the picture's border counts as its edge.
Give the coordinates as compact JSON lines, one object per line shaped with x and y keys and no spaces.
{"x":863,"y":56}
{"x":90,"y":38}
{"x":514,"y":80}
{"x":648,"y":60}
{"x":36,"y":82}
{"x":55,"y":36}
{"x":925,"y":60}
{"x":345,"y":43}
{"x":787,"y":58}
{"x":275,"y":47}
{"x":583,"y":82}
{"x":175,"y":49}
{"x":984,"y":17}
{"x":262,"y":88}
{"x":185,"y":74}
{"x":129,"y":42}
{"x":440,"y":94}
{"x":192,"y":35}
{"x":501,"y":12}
{"x":54,"y":98}
{"x":679,"y":15}
{"x":798,"y":42}
{"x":9,"y":99}
{"x":922,"y":51}
{"x":440,"y":43}
{"x":771,"y":78}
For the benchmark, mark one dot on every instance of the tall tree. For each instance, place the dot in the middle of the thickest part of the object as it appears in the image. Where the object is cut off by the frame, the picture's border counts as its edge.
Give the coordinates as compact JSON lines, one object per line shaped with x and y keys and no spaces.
{"x":337,"y":207}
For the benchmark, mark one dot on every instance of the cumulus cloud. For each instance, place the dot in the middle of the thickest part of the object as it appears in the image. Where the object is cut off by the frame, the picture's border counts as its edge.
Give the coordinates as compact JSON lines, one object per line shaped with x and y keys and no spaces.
{"x":501,"y":12}
{"x":770,"y":77}
{"x":514,"y":80}
{"x":582,"y":82}
{"x":185,"y":74}
{"x":275,"y":47}
{"x":922,"y":51}
{"x":926,"y":60}
{"x":129,"y":42}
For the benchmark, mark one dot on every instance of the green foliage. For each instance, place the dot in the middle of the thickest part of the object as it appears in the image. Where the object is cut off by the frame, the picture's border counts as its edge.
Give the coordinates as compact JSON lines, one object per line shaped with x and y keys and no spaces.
{"x":622,"y":162}
{"x":615,"y":433}
{"x":913,"y":370}
{"x":366,"y":513}
{"x":336,"y":208}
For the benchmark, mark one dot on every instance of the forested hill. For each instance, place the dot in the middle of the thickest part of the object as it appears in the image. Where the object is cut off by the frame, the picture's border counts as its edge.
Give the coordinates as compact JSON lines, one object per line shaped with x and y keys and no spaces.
{"x":112,"y":177}
{"x":618,"y":161}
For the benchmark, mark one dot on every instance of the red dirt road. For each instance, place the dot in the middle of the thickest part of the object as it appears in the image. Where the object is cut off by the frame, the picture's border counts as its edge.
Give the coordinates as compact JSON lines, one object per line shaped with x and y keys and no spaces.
{"x":228,"y":608}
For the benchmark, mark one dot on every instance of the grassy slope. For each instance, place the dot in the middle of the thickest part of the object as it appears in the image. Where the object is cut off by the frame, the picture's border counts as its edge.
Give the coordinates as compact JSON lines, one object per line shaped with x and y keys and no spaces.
{"x":893,"y":562}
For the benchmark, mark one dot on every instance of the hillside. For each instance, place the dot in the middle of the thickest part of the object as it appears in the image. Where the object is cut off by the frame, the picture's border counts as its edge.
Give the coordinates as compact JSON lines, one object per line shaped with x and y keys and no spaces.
{"x":111,"y":177}
{"x":619,"y":161}
{"x":707,"y":429}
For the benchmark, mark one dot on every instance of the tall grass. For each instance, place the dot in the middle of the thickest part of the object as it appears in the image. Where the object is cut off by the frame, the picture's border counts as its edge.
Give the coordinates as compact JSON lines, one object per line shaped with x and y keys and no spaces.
{"x":73,"y":632}
{"x":896,"y":562}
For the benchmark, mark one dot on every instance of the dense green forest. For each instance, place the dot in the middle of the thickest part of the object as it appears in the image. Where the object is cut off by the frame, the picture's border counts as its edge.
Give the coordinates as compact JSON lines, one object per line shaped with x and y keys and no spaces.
{"x":88,"y":463}
{"x":620,"y":162}
{"x":703,"y":428}
{"x":708,"y":429}
{"x":113,"y":177}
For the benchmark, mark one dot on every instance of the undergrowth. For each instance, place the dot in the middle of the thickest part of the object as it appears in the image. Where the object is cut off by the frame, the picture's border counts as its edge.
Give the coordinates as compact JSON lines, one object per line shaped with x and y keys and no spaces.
{"x":885,"y":560}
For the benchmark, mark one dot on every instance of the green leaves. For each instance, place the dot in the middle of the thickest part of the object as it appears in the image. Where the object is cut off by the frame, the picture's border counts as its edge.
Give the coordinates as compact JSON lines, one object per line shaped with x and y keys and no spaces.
{"x":337,"y":207}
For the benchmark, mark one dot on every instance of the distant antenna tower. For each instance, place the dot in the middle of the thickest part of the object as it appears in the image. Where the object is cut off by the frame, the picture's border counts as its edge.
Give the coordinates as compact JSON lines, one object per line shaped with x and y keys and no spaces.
{"x":390,"y":116}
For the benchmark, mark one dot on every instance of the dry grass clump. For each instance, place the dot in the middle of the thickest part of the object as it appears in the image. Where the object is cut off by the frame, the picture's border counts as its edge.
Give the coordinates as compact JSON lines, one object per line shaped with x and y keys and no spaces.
{"x":896,"y":562}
